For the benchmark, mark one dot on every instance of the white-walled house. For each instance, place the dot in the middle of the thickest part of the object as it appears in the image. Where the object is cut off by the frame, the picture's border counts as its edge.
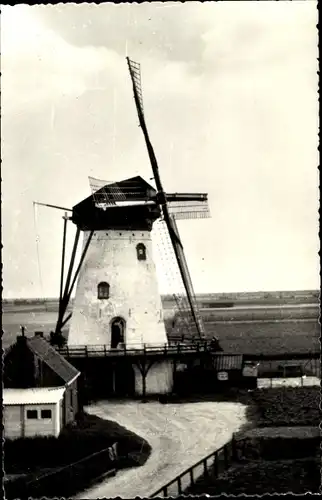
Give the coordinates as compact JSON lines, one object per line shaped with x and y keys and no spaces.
{"x":33,"y":412}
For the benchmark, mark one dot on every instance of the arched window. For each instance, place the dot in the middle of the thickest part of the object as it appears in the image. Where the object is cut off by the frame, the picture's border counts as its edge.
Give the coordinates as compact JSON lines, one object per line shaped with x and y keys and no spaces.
{"x":141,"y":251}
{"x":103,"y":290}
{"x":117,"y":332}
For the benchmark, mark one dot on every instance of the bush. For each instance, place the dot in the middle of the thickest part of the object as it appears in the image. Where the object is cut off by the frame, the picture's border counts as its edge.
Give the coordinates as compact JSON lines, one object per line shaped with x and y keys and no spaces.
{"x":91,"y":434}
{"x":281,"y":406}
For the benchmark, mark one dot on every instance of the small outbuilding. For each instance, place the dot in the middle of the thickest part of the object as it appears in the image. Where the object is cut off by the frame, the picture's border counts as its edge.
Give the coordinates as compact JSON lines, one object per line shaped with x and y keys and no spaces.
{"x":41,"y":389}
{"x":234,"y":371}
{"x":228,"y":369}
{"x":33,"y":412}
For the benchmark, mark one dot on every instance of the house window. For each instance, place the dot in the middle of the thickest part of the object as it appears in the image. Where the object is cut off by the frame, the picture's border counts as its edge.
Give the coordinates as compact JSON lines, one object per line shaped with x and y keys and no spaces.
{"x":103,"y":290}
{"x":32,"y":414}
{"x":45,"y":413}
{"x":141,"y":251}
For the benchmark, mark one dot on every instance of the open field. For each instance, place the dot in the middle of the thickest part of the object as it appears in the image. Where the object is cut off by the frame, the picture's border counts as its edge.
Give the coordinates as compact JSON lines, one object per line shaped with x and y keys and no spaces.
{"x":254,"y":330}
{"x":237,"y":298}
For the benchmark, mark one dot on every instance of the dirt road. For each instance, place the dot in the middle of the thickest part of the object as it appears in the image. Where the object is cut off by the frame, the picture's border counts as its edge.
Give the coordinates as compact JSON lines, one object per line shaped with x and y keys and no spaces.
{"x":180,"y":435}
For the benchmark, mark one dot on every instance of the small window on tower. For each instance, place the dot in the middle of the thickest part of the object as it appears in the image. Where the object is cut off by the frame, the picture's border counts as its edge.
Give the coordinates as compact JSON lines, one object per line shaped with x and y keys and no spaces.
{"x":103,"y":290}
{"x":141,"y":251}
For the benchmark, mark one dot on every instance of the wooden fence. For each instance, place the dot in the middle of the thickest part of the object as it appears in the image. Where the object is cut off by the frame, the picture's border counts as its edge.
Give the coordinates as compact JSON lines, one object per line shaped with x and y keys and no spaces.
{"x":83,"y":351}
{"x":172,"y":348}
{"x":214,"y":464}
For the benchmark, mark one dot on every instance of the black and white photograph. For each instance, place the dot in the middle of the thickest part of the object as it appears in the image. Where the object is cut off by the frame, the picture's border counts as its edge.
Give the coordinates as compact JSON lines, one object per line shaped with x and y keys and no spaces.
{"x":160,"y":249}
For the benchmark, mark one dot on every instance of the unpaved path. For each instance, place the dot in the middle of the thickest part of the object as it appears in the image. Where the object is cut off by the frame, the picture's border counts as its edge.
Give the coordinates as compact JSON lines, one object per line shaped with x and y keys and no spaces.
{"x":179,"y":434}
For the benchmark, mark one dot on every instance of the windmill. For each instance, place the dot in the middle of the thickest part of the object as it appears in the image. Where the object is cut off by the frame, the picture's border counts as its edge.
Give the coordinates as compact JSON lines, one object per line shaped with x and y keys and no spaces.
{"x":117,"y":307}
{"x":172,"y":205}
{"x":115,"y":217}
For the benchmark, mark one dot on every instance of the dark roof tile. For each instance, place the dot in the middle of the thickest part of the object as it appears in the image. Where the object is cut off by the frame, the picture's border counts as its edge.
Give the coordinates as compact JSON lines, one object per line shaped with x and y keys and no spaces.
{"x":43,"y":350}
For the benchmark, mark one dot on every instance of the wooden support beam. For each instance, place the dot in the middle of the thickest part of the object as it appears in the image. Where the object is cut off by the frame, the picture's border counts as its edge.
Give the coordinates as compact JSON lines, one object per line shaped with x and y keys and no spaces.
{"x":79,"y":267}
{"x":63,"y":262}
{"x":64,"y":303}
{"x":63,"y":323}
{"x":144,"y":369}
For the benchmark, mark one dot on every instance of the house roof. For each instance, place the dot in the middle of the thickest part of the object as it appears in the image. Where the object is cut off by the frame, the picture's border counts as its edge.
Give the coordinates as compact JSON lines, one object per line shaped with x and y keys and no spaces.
{"x":44,"y":351}
{"x":39,"y":395}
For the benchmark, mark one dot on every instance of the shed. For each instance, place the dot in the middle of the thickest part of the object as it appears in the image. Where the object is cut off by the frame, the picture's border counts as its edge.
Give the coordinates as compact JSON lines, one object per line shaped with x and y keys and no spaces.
{"x":228,"y":369}
{"x":33,"y":363}
{"x":33,"y":412}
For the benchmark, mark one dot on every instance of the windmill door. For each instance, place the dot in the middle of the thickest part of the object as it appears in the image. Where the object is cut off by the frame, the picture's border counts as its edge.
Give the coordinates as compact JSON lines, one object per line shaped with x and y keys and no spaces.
{"x":117,"y":332}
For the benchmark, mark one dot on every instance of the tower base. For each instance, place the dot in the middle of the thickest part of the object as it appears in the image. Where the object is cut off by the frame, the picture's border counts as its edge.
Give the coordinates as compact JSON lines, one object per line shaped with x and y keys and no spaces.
{"x":157,"y":380}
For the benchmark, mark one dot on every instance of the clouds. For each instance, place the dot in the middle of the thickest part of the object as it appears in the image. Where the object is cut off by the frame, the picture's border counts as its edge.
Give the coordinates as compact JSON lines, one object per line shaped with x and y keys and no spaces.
{"x":39,"y":65}
{"x":163,"y":31}
{"x":229,"y":90}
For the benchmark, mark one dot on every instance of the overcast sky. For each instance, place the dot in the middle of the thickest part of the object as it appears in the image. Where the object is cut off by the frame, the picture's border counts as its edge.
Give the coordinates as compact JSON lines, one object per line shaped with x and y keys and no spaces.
{"x":230,"y":98}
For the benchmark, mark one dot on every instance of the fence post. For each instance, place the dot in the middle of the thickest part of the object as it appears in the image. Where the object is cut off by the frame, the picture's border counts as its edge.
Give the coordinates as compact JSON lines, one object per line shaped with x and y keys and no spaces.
{"x":233,"y":448}
{"x":192,"y":481}
{"x":216,"y":464}
{"x":165,"y":491}
{"x":179,"y":485}
{"x":205,"y":469}
{"x":226,"y":461}
{"x":244,"y":449}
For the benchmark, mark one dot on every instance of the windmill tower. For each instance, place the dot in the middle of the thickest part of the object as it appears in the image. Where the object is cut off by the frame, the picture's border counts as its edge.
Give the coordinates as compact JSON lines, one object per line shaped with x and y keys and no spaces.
{"x":117,"y":298}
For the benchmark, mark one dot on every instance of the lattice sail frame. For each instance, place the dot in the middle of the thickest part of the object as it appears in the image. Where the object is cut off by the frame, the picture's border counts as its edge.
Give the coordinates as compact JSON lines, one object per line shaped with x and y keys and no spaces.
{"x":135,"y":70}
{"x":182,"y":320}
{"x":189,"y":209}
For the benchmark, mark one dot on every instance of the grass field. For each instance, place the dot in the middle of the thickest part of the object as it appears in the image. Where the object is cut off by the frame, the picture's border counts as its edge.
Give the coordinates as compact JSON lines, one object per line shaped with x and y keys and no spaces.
{"x":294,"y":329}
{"x":258,"y":478}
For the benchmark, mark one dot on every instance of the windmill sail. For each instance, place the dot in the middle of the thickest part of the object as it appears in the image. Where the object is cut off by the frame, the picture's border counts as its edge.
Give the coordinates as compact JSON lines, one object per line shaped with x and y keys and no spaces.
{"x":189,"y":209}
{"x":182,"y":257}
{"x":134,"y":69}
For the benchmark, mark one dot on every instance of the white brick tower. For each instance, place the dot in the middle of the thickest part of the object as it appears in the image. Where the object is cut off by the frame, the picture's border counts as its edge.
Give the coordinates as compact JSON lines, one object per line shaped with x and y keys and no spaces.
{"x":117,"y":298}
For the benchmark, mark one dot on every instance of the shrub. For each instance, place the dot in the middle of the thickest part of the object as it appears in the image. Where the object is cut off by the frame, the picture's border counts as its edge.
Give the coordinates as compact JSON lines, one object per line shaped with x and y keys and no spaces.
{"x":288,"y":406}
{"x":91,"y":434}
